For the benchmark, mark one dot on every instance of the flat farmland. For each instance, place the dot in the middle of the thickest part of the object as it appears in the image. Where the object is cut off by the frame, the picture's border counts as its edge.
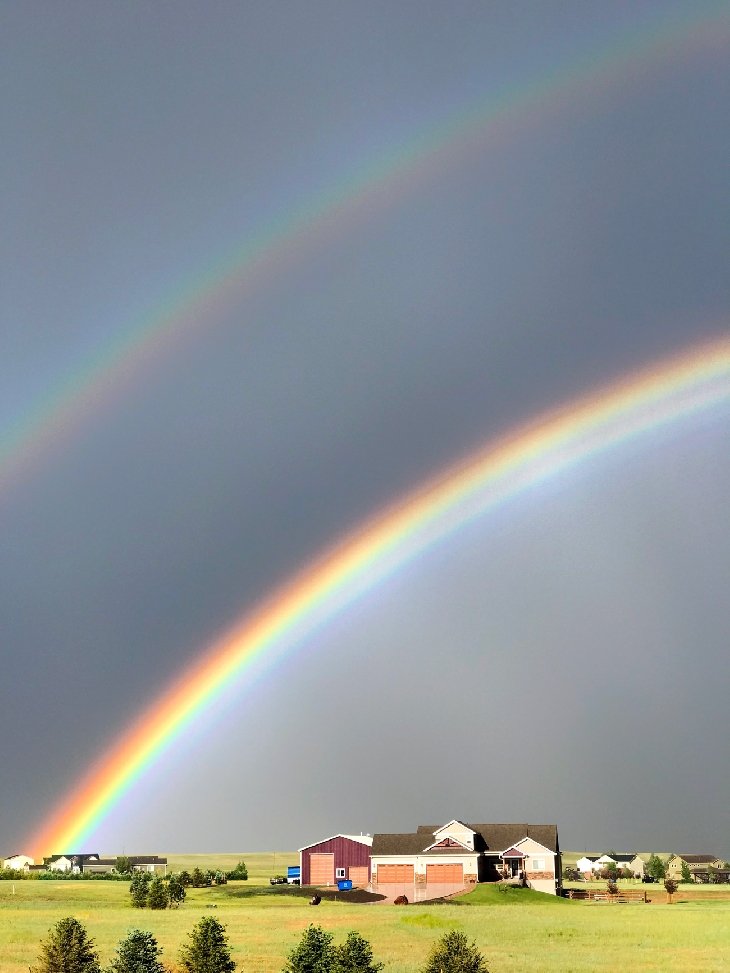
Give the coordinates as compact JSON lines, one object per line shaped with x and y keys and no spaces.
{"x":518,"y":931}
{"x":261,"y":865}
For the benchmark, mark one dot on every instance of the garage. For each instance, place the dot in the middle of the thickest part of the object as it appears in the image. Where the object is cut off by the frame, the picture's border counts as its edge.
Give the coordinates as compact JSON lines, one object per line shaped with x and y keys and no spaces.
{"x":321,"y":869}
{"x":395,"y":875}
{"x":451,"y":874}
{"x":358,"y":875}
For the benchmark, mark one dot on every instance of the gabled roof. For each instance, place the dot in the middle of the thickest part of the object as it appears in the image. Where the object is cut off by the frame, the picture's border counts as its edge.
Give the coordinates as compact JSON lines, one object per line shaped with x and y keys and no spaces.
{"x":445,"y":826}
{"x":492,"y":838}
{"x":698,"y":859}
{"x":448,"y":842}
{"x":513,"y":853}
{"x":363,"y":839}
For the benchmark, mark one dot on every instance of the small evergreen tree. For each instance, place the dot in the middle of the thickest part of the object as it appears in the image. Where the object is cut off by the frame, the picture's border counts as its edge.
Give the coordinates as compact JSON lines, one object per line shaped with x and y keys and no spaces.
{"x":185,"y":878}
{"x":208,"y":950}
{"x":176,"y":891}
{"x":138,"y":889}
{"x":686,"y":873}
{"x":67,"y":949}
{"x":314,"y":953}
{"x":355,"y":955}
{"x":656,"y":867}
{"x":198,"y":879}
{"x":239,"y":873}
{"x":157,"y":897}
{"x":138,"y":953}
{"x":123,"y":865}
{"x":453,"y":954}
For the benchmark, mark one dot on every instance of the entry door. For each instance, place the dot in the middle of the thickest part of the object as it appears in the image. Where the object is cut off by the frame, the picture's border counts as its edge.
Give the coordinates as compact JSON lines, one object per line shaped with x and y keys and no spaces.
{"x":321,"y":869}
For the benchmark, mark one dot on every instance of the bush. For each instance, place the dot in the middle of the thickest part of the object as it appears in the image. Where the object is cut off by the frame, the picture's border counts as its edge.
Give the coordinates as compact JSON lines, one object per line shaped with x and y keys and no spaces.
{"x":453,"y":954}
{"x":198,"y":879}
{"x":123,"y":865}
{"x":138,"y":889}
{"x":313,"y":954}
{"x":355,"y":955}
{"x":157,"y":897}
{"x":239,"y":873}
{"x":138,"y":953}
{"x":185,"y":879}
{"x":67,"y":949}
{"x":208,"y":950}
{"x":176,"y":890}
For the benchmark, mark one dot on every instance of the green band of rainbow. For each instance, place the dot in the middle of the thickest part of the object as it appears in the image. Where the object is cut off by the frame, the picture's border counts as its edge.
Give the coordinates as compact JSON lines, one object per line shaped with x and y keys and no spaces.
{"x":503,"y":470}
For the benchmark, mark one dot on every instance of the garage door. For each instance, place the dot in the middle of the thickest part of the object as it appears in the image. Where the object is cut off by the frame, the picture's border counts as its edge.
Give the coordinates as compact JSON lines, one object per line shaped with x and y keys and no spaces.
{"x":395,"y":874}
{"x":321,"y":869}
{"x":358,"y":874}
{"x":445,"y":873}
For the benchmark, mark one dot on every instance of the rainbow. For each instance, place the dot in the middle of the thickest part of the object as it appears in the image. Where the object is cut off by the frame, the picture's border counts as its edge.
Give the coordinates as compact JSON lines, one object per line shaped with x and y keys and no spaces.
{"x":488,"y":121}
{"x":504,"y":470}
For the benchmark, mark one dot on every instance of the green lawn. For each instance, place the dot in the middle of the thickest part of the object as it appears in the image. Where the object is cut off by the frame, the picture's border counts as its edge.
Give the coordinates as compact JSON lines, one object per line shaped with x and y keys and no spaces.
{"x":518,"y":930}
{"x":261,"y":865}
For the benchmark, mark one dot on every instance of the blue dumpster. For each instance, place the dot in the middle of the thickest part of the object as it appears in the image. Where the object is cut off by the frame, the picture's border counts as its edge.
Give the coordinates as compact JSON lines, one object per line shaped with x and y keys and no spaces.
{"x":345,"y":885}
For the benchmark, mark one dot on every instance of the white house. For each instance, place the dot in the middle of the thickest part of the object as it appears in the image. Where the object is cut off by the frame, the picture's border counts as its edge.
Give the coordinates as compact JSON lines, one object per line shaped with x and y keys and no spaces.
{"x":586,"y":864}
{"x":18,"y":862}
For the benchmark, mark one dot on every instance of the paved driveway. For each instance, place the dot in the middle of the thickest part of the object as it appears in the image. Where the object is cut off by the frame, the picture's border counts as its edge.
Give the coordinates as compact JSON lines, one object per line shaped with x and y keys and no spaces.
{"x":416,"y":893}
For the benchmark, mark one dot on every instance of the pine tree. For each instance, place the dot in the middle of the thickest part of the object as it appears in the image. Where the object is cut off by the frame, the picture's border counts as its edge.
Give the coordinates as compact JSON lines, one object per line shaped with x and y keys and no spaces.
{"x":355,"y":955}
{"x":656,"y":867}
{"x":67,"y":949}
{"x":157,"y":897}
{"x":138,"y":953}
{"x":176,"y":891}
{"x":198,"y":879}
{"x":138,"y":889}
{"x":453,"y":954}
{"x":208,"y":950}
{"x":686,"y":873}
{"x":314,"y":953}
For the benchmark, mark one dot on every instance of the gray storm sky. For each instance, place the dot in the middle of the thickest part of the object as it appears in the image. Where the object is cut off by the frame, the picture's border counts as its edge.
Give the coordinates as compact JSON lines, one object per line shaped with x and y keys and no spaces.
{"x":566,"y":660}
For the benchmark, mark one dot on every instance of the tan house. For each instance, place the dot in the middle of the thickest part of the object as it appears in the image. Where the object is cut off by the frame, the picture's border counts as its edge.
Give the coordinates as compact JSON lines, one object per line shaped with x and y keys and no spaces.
{"x":695,"y":863}
{"x":464,"y":854}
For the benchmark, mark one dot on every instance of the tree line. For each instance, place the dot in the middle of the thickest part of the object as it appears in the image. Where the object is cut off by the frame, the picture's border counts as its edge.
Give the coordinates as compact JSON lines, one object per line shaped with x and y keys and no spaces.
{"x":68,"y":948}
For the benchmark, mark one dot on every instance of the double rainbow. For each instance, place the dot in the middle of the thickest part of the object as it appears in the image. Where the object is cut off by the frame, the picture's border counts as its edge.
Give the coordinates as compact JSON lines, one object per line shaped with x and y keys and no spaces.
{"x":503,"y":470}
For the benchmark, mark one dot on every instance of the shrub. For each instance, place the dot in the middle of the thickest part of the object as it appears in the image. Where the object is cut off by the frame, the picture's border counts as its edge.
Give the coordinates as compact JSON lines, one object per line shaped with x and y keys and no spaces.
{"x":198,"y":879}
{"x":176,"y":890}
{"x":611,"y":887}
{"x":67,"y":949}
{"x":208,"y":950}
{"x":239,"y":873}
{"x":453,"y":954}
{"x":157,"y":897}
{"x":138,"y":889}
{"x":314,"y":952}
{"x":185,"y":878}
{"x":138,"y":953}
{"x":123,"y":865}
{"x":355,"y":955}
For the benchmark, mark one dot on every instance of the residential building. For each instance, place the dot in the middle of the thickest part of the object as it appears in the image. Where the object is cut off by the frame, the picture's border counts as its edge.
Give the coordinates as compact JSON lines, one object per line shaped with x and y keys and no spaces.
{"x":695,"y":863}
{"x":18,"y":862}
{"x":341,"y":857}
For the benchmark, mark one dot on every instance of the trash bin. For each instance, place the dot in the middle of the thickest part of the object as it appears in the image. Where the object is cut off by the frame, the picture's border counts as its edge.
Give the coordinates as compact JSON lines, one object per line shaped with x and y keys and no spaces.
{"x":345,"y":885}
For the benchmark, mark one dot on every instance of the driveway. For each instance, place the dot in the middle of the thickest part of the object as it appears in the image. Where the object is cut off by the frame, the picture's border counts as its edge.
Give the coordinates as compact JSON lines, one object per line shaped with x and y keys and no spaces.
{"x":416,"y":893}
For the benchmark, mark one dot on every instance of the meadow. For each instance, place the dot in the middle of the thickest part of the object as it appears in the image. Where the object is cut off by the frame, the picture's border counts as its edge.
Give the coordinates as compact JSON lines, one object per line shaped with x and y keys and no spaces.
{"x":518,"y":931}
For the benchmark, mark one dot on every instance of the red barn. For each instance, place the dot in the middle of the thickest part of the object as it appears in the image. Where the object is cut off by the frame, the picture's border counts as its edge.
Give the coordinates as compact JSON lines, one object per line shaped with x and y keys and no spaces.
{"x":345,"y":856}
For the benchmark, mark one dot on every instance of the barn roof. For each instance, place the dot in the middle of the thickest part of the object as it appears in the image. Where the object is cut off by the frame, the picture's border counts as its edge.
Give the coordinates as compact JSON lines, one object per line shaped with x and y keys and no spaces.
{"x":363,"y":839}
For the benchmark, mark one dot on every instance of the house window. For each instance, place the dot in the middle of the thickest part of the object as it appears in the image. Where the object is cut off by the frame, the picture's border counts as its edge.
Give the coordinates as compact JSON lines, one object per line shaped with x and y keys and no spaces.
{"x":538,"y":864}
{"x":339,"y":873}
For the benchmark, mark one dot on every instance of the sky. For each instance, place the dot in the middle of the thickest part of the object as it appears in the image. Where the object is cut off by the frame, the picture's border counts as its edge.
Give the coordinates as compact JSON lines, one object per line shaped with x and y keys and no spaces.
{"x":563,"y":660}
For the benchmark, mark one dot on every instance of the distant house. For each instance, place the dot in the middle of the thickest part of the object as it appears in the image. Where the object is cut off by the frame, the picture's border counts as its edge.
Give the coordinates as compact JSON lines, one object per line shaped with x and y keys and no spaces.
{"x":695,"y":863}
{"x":18,"y":862}
{"x":68,"y":862}
{"x":586,"y":864}
{"x":341,"y":857}
{"x":462,"y":854}
{"x":139,"y":863}
{"x":634,"y":863}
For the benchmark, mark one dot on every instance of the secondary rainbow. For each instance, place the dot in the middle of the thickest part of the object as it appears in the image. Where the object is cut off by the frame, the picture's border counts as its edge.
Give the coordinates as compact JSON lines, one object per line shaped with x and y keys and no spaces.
{"x":520,"y":461}
{"x":392,"y":176}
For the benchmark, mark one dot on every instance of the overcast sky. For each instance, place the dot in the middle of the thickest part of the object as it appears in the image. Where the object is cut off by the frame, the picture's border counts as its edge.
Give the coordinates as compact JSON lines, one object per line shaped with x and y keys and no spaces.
{"x":563,"y":661}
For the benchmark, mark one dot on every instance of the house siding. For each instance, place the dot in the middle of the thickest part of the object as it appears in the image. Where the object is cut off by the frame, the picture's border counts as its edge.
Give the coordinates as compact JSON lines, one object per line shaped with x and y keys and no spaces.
{"x":346,"y":853}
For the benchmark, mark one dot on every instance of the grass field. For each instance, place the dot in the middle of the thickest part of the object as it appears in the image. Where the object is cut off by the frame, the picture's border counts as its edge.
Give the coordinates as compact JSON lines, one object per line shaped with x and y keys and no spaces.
{"x":518,"y":931}
{"x":261,"y":865}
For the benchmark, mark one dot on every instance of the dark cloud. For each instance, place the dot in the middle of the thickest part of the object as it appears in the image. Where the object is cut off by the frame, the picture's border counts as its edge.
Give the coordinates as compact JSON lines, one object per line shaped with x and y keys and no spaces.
{"x":141,"y":148}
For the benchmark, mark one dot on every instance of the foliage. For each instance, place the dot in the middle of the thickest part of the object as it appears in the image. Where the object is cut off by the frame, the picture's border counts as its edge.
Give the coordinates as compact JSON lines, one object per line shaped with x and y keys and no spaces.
{"x":138,"y":953}
{"x":176,"y":890}
{"x":199,"y":880}
{"x":239,"y":873}
{"x":670,"y":885}
{"x":612,"y":869}
{"x":355,"y":955}
{"x":138,"y":889}
{"x":220,"y":878}
{"x":123,"y":865}
{"x":208,"y":950}
{"x":67,"y":949}
{"x":686,"y":873}
{"x":454,"y":954}
{"x":656,"y":867}
{"x":612,"y":887}
{"x":185,"y":878}
{"x":314,"y":953}
{"x":157,"y":897}
{"x":571,"y":874}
